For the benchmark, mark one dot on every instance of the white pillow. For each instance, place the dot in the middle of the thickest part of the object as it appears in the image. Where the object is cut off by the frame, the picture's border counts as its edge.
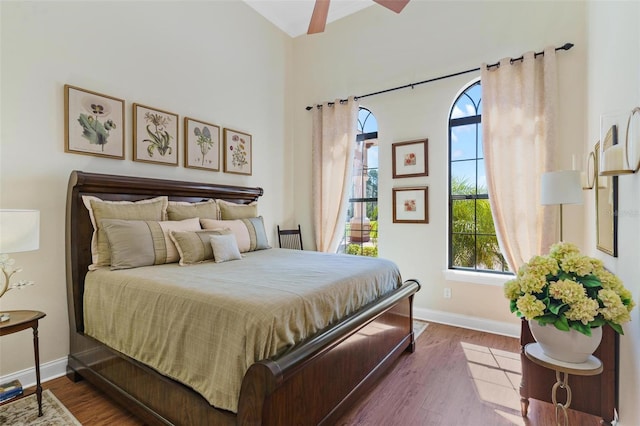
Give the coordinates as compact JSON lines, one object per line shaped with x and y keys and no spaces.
{"x":225,"y":248}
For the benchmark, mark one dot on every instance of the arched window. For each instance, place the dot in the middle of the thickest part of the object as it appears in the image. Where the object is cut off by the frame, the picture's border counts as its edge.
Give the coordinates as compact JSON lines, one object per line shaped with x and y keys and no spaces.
{"x":472,"y":237}
{"x":361,"y":230}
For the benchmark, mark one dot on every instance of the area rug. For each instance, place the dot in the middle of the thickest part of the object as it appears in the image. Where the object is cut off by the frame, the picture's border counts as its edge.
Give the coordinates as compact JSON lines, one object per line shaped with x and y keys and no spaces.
{"x":418,"y":327}
{"x":24,"y":412}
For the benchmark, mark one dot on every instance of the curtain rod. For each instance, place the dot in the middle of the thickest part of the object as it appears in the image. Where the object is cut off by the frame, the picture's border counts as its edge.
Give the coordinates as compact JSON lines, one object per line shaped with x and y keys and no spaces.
{"x":565,"y":46}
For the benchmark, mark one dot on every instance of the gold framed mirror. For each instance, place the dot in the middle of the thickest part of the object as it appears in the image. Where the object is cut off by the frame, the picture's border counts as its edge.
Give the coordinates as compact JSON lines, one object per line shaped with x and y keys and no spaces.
{"x":606,"y":209}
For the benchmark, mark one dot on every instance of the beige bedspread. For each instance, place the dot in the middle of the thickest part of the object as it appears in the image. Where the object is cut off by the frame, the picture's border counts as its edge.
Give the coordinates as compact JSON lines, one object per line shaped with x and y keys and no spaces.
{"x":205,"y":324}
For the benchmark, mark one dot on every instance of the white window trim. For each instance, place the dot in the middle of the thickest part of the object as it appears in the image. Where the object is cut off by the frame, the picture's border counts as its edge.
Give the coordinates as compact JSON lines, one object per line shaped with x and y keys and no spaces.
{"x":486,"y":278}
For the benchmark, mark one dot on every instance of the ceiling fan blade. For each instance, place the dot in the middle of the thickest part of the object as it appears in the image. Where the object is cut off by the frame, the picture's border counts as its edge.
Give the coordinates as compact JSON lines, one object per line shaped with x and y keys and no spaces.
{"x":319,"y":17}
{"x":395,"y":5}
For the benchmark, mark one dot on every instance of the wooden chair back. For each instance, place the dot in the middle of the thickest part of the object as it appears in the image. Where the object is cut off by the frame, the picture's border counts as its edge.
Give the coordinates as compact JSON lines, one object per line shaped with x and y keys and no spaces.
{"x":290,"y":238}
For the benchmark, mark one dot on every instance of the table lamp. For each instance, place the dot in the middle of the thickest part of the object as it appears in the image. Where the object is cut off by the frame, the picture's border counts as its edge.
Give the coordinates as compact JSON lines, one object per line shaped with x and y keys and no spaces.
{"x":19,"y":231}
{"x":562,"y":187}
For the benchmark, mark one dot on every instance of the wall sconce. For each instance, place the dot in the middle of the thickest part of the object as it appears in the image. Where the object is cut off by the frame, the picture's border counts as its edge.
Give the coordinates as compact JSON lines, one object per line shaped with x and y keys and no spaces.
{"x":588,"y":177}
{"x":620,"y":143}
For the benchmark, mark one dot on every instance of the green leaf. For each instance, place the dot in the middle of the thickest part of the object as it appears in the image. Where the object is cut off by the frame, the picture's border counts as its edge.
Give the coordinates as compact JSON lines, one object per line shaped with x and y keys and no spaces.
{"x":564,"y":276}
{"x":580,"y":327}
{"x":556,"y":307}
{"x":590,"y":281}
{"x":616,"y":327}
{"x":546,"y":319}
{"x":598,"y":322}
{"x":513,"y":306}
{"x":562,"y":324}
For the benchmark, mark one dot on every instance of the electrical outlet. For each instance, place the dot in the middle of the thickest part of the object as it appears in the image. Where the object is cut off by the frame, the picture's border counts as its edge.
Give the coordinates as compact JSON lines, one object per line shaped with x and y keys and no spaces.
{"x":447,"y":293}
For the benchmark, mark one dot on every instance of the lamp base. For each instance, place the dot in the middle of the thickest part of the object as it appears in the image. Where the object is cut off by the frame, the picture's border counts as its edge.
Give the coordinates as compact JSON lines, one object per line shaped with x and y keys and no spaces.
{"x":4,"y":317}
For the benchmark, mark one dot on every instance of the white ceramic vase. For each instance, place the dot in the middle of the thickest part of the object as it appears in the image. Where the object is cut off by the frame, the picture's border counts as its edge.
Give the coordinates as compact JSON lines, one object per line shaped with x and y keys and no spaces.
{"x":568,"y":346}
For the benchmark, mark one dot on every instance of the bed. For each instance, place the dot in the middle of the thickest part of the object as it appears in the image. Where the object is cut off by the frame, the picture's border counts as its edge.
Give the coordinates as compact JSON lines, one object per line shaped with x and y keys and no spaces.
{"x":312,"y":382}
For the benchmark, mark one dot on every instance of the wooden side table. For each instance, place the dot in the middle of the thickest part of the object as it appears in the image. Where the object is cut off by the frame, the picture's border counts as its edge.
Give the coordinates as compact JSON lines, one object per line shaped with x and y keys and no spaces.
{"x":21,"y":320}
{"x":590,"y":367}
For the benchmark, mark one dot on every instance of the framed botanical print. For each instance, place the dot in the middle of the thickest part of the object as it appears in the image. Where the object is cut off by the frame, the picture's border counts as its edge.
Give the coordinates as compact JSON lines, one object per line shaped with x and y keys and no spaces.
{"x":201,"y":145}
{"x":237,"y":152}
{"x":155,"y":135}
{"x":411,"y":205}
{"x":410,"y":158}
{"x":93,"y":123}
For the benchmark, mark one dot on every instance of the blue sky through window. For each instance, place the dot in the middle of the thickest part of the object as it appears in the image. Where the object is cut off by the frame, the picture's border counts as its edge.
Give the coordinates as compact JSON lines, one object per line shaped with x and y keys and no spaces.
{"x":367,"y":123}
{"x":466,"y":140}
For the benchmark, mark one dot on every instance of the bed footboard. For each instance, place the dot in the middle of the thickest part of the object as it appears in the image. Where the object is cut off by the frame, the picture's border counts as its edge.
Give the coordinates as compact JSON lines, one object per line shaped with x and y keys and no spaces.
{"x":318,"y":381}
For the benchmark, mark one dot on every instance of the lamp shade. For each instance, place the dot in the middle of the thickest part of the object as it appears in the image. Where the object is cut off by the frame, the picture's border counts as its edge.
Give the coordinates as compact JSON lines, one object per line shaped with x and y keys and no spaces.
{"x":19,"y":230}
{"x":562,"y":187}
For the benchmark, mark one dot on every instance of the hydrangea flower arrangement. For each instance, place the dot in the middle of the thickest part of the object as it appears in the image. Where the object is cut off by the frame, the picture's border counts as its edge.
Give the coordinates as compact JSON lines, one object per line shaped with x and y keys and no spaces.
{"x":570,"y":291}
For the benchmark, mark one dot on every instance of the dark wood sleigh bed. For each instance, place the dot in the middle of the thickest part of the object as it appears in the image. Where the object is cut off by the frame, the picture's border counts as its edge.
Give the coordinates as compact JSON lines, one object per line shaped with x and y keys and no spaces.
{"x":300,"y":387}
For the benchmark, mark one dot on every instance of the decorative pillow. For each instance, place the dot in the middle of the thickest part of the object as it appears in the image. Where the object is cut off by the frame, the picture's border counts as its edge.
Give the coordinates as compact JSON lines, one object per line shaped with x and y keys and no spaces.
{"x":230,"y":211}
{"x":151,"y":209}
{"x":249,"y":233}
{"x":179,"y":210}
{"x":195,"y":247}
{"x":225,"y":248}
{"x":135,"y":243}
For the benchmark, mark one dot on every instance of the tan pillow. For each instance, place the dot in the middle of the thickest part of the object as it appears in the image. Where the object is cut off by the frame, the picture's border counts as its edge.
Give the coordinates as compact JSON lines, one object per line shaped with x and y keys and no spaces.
{"x":250,"y":233}
{"x":151,"y":209}
{"x":195,"y":247}
{"x":135,"y":243}
{"x":230,"y":211}
{"x":225,"y":248}
{"x":179,"y":210}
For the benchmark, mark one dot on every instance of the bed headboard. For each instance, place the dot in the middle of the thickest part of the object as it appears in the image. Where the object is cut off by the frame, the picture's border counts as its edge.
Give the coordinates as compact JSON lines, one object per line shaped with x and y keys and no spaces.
{"x":127,"y":188}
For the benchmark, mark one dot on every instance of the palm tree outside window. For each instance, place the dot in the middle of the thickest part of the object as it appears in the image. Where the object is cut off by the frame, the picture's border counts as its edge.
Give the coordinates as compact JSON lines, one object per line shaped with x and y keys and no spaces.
{"x":473,"y":244}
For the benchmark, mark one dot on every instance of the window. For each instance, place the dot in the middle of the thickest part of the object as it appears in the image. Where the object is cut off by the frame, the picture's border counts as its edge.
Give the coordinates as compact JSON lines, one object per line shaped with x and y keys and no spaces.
{"x":473,"y":244}
{"x":361,"y":230}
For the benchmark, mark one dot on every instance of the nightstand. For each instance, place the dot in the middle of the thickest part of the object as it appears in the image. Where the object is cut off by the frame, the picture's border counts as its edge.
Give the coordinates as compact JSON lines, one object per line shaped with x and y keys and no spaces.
{"x":21,"y":320}
{"x":590,"y":367}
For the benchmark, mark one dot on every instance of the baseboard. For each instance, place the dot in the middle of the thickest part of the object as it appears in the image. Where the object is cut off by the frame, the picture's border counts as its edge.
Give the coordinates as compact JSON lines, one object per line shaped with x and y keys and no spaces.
{"x":466,"y":321}
{"x":48,"y":371}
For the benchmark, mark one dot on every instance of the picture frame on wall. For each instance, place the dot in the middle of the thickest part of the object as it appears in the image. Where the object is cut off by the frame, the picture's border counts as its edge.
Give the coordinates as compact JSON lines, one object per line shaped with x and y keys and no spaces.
{"x":411,"y":205}
{"x":201,"y":145}
{"x":93,"y":123}
{"x":410,"y":158}
{"x":237,"y":152}
{"x":155,"y":135}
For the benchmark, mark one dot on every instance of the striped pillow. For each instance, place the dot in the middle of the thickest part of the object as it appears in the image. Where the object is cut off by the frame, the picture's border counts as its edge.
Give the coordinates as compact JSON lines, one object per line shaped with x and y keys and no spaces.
{"x":249,"y":233}
{"x":195,"y":247}
{"x":135,"y":243}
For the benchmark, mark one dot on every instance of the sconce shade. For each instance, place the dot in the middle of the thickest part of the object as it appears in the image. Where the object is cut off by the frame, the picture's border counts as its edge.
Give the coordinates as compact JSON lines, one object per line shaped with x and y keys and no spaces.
{"x":19,"y":230}
{"x":620,"y":143}
{"x":561,"y":187}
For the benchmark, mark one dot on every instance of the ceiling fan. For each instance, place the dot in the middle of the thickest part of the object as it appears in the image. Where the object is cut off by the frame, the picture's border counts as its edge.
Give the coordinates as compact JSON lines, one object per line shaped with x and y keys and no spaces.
{"x":321,"y":10}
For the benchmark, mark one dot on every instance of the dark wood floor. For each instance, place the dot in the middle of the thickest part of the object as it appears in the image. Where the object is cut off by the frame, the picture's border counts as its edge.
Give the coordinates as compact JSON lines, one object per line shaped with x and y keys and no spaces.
{"x":455,"y":377}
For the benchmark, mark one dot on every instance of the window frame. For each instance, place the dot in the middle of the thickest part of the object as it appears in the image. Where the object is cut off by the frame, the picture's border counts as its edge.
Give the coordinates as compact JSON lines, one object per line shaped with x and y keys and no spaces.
{"x":362,"y":137}
{"x":453,"y":123}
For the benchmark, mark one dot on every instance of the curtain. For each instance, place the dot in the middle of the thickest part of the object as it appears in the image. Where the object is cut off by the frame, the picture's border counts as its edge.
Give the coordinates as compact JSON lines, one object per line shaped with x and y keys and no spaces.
{"x":334,"y":139}
{"x":519,"y":135}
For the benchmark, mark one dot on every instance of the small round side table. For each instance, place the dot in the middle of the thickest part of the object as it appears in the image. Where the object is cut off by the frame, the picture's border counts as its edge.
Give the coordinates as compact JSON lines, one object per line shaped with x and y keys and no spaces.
{"x":22,"y":320}
{"x":590,"y":367}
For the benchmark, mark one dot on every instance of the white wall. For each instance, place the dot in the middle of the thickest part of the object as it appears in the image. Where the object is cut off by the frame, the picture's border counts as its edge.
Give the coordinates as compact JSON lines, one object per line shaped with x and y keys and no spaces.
{"x":215,"y":61}
{"x":375,"y":50}
{"x":614,"y":85}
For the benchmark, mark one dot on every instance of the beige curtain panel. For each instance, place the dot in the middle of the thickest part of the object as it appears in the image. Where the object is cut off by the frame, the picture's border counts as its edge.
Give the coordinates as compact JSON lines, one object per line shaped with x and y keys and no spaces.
{"x":334,"y":136}
{"x":519,"y":135}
